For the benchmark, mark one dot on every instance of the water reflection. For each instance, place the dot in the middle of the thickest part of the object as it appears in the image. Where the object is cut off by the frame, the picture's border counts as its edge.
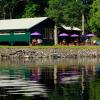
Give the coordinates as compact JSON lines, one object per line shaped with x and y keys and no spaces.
{"x":47,"y":79}
{"x":45,"y":61}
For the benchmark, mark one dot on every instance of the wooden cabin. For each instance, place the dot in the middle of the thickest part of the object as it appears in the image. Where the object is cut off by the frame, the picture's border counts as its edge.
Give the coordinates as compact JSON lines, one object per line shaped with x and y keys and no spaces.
{"x":18,"y":31}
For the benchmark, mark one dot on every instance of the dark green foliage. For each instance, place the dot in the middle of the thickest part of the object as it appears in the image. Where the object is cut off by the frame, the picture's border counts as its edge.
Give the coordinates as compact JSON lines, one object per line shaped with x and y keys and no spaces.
{"x":94,"y":20}
{"x":30,"y":10}
{"x":68,"y":12}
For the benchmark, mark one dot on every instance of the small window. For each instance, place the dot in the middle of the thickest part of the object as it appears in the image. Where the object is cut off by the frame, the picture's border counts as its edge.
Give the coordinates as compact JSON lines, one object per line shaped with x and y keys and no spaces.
{"x":19,"y":33}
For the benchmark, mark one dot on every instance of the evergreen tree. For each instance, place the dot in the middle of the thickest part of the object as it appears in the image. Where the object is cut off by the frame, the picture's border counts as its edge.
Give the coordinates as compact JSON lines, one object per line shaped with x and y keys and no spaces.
{"x":94,"y":21}
{"x":30,"y":10}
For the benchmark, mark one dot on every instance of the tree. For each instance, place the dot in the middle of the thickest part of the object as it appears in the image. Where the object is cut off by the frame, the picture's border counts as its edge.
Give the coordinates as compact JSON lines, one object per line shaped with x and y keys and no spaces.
{"x":94,"y":21}
{"x":30,"y":10}
{"x":3,"y":7}
{"x":42,"y":5}
{"x":54,"y":11}
{"x":35,"y":8}
{"x":66,"y":12}
{"x":12,"y":4}
{"x":72,"y":13}
{"x":8,"y":7}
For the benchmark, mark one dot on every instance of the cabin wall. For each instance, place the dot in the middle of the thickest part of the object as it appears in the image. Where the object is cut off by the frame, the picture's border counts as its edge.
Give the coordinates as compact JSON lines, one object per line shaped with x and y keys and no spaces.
{"x":13,"y":37}
{"x":46,"y":28}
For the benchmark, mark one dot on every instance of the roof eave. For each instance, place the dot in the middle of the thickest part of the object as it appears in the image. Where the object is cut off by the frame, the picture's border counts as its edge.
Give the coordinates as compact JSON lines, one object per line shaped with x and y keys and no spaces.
{"x":14,"y":30}
{"x":37,"y":23}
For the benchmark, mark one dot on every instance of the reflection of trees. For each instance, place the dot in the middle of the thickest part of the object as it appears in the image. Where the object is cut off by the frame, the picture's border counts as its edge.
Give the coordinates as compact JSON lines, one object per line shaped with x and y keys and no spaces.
{"x":94,"y":84}
{"x":85,"y":76}
{"x":51,"y":62}
{"x":71,"y":91}
{"x":66,"y":92}
{"x":47,"y":77}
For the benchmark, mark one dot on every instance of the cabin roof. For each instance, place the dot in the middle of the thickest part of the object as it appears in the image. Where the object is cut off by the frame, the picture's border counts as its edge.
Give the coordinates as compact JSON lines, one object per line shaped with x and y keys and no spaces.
{"x":70,"y":28}
{"x":23,"y":23}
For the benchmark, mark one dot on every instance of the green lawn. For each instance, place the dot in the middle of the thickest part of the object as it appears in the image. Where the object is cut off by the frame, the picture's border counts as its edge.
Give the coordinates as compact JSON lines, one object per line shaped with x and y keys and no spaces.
{"x":43,"y":47}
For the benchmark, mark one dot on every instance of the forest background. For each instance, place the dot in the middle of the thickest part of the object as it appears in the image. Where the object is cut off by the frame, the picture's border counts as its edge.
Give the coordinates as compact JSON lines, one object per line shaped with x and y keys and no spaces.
{"x":68,"y":12}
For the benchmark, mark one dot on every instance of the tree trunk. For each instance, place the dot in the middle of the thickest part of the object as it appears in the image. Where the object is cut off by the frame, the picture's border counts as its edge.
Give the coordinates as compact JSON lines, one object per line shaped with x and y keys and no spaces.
{"x":11,"y":12}
{"x":83,"y":24}
{"x":10,"y":15}
{"x":55,"y":35}
{"x":4,"y":11}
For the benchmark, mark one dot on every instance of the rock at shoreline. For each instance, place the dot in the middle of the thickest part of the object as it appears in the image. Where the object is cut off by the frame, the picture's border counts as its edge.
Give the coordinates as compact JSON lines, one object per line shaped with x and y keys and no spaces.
{"x":47,"y":53}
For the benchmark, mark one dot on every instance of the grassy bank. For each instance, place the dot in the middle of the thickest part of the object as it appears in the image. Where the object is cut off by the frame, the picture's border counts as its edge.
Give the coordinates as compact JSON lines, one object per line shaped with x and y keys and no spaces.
{"x":43,"y":47}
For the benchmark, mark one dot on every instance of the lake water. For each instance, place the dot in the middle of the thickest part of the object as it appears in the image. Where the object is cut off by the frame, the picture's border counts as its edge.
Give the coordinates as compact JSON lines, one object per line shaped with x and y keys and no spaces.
{"x":50,"y":79}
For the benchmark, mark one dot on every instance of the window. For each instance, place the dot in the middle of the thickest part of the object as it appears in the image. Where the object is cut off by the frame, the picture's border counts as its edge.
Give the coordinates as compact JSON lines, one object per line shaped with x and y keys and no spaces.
{"x":48,"y":33}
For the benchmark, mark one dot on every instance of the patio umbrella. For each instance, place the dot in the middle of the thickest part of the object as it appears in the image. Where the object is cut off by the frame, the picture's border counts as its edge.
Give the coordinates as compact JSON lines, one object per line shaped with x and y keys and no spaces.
{"x":35,"y":34}
{"x":63,"y":34}
{"x":74,"y":35}
{"x":90,"y":35}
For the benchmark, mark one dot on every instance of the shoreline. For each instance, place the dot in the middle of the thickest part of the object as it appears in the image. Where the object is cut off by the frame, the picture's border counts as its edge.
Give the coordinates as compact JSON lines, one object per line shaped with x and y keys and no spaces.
{"x":21,"y":53}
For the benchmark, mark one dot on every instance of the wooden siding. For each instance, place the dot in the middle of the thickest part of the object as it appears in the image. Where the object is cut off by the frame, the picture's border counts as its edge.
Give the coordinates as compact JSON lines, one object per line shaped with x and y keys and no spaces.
{"x":15,"y":37}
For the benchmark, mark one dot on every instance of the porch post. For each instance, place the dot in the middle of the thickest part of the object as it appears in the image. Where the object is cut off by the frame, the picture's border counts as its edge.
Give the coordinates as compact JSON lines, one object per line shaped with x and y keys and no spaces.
{"x":11,"y":43}
{"x":29,"y":38}
{"x":27,"y":35}
{"x":55,"y":35}
{"x":12,"y":38}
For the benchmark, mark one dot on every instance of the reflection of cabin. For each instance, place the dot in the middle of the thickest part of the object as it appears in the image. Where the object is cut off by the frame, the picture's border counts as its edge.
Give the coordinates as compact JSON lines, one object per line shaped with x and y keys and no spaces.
{"x":17,"y":31}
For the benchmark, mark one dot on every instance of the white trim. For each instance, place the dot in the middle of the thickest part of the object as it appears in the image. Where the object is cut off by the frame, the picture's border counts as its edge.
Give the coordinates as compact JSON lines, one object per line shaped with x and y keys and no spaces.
{"x":5,"y":34}
{"x":19,"y":33}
